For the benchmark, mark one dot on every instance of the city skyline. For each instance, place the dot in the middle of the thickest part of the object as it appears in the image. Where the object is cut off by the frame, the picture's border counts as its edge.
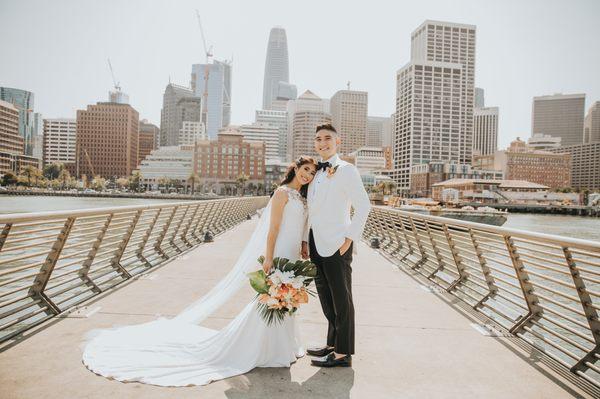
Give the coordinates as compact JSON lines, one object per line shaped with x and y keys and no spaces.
{"x":322,"y":58}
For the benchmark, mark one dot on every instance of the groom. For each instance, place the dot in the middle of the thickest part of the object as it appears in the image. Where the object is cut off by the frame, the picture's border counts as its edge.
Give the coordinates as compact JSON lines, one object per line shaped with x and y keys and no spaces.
{"x":330,"y":236}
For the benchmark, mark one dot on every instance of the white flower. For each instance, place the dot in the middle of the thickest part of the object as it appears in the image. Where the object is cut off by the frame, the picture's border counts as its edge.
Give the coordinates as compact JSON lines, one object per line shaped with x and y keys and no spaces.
{"x":298,"y":282}
{"x":272,"y":301}
{"x":278,"y":277}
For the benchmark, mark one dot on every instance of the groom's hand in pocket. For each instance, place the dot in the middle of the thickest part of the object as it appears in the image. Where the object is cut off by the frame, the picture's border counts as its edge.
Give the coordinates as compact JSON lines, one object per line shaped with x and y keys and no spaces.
{"x":304,"y":250}
{"x":345,"y":246}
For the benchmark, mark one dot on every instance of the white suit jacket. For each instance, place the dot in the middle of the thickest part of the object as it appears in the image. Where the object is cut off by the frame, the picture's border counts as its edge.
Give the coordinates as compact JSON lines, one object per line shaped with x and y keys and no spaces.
{"x":330,"y":199}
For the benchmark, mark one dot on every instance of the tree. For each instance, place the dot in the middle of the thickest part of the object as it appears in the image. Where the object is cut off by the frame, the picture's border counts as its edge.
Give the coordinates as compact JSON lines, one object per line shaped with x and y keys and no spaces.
{"x":241,"y":180}
{"x":65,"y":178}
{"x":251,"y":188}
{"x":260,"y":188}
{"x":98,"y":183}
{"x":9,"y":179}
{"x":193,"y":180}
{"x":122,"y":182}
{"x":134,"y":181}
{"x":52,"y":171}
{"x":31,"y":172}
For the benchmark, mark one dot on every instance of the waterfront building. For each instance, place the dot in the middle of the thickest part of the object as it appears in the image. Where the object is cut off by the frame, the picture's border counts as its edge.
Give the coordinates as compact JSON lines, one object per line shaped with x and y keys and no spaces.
{"x":349,"y":110}
{"x":279,"y":120}
{"x":434,"y":99}
{"x":219,"y":163}
{"x":22,"y":100}
{"x":501,"y":191}
{"x":368,"y":159}
{"x":485,"y":130}
{"x":520,"y":162}
{"x":559,"y":115}
{"x":107,"y":140}
{"x":218,"y":102}
{"x":166,"y":163}
{"x":12,"y":147}
{"x":378,"y":131}
{"x":424,"y":176}
{"x":148,"y":139}
{"x":170,"y":115}
{"x":585,"y":165}
{"x":274,"y":172}
{"x":263,"y":133}
{"x":591,"y":124}
{"x":60,"y":141}
{"x":276,"y":68}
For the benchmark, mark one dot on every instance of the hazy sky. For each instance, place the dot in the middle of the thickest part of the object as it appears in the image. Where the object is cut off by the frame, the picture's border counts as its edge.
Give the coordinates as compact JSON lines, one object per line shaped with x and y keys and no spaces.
{"x":58,"y":49}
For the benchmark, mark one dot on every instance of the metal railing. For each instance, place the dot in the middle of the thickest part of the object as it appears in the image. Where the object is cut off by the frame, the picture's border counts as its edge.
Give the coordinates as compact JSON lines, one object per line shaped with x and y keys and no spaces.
{"x":53,"y":261}
{"x":542,"y":288}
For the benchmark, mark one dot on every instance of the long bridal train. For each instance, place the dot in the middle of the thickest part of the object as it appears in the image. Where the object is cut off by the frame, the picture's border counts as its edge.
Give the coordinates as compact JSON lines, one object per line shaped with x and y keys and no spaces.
{"x":180,"y":352}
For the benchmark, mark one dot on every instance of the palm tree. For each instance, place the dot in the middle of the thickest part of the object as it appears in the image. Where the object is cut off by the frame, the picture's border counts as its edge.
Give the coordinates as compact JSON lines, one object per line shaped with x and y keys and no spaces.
{"x":134,"y":180}
{"x":31,"y":172}
{"x":260,"y":188}
{"x":252,"y":188}
{"x":193,"y":180}
{"x":64,"y":176}
{"x":241,"y":180}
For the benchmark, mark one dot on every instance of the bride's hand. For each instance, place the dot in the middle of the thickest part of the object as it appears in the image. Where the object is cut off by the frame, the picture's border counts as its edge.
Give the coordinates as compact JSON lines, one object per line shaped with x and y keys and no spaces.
{"x":267,"y":265}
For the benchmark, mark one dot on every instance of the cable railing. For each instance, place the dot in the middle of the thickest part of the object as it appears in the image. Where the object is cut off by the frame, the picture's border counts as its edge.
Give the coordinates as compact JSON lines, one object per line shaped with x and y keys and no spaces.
{"x":51,"y":262}
{"x":542,"y":288}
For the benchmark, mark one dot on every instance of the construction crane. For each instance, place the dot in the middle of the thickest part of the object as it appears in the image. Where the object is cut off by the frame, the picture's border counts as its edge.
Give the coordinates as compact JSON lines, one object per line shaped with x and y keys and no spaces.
{"x":115,"y":83}
{"x":89,"y":161}
{"x":208,"y":54}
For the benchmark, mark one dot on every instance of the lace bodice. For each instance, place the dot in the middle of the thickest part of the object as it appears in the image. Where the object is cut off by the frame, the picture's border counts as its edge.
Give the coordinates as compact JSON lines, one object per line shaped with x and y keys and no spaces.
{"x":289,"y":239}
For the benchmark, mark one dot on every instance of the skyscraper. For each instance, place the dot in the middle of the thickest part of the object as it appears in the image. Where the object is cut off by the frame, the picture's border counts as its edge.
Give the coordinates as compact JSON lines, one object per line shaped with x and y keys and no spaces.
{"x":434,"y":99}
{"x":148,"y":139}
{"x":22,"y":100}
{"x":107,"y":140}
{"x":479,"y":97}
{"x":485,"y":130}
{"x":304,"y":115}
{"x":263,"y":133}
{"x":378,"y":131}
{"x":277,"y":119}
{"x":559,"y":115}
{"x":218,"y":101}
{"x":276,"y":66}
{"x":170,"y":119}
{"x":60,"y":137}
{"x":349,"y":110}
{"x":591,"y":124}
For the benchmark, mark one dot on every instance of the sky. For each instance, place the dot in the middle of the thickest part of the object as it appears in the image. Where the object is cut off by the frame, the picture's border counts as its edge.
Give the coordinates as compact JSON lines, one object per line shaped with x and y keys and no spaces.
{"x":59,"y":49}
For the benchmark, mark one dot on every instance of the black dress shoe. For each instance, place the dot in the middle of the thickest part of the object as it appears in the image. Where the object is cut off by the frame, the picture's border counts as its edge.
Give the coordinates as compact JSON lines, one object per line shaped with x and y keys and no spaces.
{"x":319,"y":352}
{"x":331,"y":361}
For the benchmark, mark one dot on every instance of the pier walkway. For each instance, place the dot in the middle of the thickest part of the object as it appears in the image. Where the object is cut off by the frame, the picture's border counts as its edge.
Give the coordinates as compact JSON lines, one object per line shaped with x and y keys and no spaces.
{"x":413,"y":340}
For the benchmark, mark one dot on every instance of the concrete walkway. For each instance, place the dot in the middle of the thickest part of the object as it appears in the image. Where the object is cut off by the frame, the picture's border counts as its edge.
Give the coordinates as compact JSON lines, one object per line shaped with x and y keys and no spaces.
{"x":411,"y":343}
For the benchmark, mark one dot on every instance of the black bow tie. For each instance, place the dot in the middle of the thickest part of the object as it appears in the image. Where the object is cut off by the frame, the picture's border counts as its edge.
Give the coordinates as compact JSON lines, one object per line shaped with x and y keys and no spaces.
{"x":323,"y":165}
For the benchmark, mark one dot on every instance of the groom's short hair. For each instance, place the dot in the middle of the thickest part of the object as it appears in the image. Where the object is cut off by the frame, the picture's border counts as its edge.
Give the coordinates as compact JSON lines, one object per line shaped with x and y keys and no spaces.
{"x":326,"y":126}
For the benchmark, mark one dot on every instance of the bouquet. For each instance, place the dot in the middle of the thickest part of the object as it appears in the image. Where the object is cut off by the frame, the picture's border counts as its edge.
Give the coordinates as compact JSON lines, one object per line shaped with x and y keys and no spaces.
{"x":284,"y":289}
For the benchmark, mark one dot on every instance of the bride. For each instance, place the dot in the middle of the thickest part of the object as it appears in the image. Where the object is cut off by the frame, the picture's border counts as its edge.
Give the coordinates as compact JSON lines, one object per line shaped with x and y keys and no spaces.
{"x":180,"y":352}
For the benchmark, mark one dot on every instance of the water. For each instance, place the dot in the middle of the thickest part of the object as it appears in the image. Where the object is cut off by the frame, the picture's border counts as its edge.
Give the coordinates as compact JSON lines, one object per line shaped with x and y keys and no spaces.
{"x":31,"y":203}
{"x":583,"y":227}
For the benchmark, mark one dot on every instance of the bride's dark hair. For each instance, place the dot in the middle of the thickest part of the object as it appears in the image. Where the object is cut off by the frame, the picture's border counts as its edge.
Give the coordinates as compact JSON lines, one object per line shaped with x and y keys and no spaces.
{"x":291,"y":172}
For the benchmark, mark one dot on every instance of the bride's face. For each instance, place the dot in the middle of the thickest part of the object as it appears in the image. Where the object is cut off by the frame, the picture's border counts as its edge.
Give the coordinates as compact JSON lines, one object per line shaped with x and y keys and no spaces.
{"x":305,"y":173}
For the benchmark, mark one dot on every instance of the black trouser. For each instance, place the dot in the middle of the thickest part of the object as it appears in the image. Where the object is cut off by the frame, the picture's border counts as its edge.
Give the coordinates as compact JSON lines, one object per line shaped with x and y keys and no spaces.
{"x":334,"y":285}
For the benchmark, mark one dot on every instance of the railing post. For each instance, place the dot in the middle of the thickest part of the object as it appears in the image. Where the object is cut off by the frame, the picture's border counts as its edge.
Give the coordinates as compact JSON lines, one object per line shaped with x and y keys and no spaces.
{"x":174,"y":235}
{"x":184,"y":233}
{"x":419,"y":244}
{"x":116,"y":260}
{"x":87,"y":263}
{"x":142,"y":245}
{"x":590,"y":313}
{"x":4,"y":234}
{"x":487,"y":273}
{"x":535,"y":310}
{"x":41,"y":280}
{"x":462,"y":271}
{"x":390,"y":222}
{"x":162,"y":235}
{"x":438,"y":257}
{"x":405,"y":234}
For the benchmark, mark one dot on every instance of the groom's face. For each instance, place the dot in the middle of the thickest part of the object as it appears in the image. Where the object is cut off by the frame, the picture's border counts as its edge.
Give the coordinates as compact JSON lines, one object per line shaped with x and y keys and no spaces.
{"x":326,"y":143}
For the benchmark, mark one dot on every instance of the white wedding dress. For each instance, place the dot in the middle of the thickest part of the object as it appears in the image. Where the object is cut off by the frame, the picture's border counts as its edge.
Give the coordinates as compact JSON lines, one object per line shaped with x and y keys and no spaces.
{"x":180,"y":352}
